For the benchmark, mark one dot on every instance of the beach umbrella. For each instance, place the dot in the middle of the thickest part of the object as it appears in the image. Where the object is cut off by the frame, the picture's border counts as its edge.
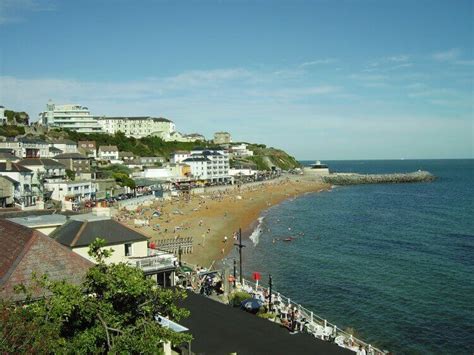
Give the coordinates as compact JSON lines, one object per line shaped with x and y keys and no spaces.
{"x":251,"y":305}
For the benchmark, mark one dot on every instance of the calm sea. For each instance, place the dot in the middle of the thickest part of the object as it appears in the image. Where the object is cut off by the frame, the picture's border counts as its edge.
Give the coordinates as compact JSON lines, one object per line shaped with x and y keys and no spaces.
{"x":394,"y":262}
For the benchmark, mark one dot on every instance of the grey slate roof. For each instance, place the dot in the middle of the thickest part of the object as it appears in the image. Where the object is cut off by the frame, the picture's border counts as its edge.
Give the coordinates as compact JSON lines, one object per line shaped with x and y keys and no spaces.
{"x":15,"y":168}
{"x":70,"y":156}
{"x":82,"y":233}
{"x":40,"y":161}
{"x":195,"y":159}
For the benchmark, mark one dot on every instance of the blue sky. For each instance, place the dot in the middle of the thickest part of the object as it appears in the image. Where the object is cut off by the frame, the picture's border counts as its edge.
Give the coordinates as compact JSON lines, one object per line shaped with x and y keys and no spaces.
{"x":323,"y":79}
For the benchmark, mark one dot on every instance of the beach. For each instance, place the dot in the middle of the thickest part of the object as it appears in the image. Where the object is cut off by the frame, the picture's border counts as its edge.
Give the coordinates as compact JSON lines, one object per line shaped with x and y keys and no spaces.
{"x":213,"y":218}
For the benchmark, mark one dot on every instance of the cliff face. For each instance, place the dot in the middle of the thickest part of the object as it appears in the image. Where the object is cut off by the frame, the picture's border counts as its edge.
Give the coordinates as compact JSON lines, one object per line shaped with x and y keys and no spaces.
{"x":265,"y":158}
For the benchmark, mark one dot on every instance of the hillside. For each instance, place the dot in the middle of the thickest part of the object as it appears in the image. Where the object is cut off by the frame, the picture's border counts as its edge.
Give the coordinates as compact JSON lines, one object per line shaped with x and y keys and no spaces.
{"x":264,"y":158}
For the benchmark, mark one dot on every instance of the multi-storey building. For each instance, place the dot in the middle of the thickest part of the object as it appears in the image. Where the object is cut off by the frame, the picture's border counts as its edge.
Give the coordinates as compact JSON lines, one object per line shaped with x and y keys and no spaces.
{"x":209,"y":165}
{"x":240,"y":150}
{"x":21,"y":177}
{"x":65,"y":145}
{"x":76,"y":162}
{"x":71,"y":116}
{"x":179,"y":156}
{"x":108,"y":152}
{"x":43,"y":170}
{"x":138,"y":127}
{"x":88,"y":148}
{"x":26,"y":147}
{"x":70,"y":190}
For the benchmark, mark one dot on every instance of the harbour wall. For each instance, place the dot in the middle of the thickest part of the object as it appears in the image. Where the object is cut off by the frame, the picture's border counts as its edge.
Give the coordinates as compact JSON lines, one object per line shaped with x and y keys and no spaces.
{"x":396,"y":178}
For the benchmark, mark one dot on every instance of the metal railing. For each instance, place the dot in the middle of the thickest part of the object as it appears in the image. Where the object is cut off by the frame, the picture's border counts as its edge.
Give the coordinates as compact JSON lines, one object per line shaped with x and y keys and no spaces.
{"x":317,"y":325}
{"x":151,"y":263}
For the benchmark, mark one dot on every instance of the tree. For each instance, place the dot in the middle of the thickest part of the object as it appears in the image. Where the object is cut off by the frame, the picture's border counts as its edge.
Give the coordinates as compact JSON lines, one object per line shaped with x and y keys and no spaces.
{"x":70,"y":174}
{"x":112,"y":311}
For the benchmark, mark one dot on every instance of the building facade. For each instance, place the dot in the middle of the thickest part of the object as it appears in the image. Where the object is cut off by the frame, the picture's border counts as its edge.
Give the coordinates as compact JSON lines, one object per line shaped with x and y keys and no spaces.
{"x":71,"y":116}
{"x":138,"y":127}
{"x":108,"y":152}
{"x":209,"y":165}
{"x":23,"y":196}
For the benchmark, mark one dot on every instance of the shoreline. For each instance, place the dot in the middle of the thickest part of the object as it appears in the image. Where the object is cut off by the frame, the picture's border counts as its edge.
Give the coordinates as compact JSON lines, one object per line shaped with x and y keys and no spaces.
{"x":212,"y":219}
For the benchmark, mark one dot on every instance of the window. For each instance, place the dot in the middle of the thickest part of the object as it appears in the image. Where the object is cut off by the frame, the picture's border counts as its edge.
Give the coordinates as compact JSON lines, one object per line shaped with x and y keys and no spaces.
{"x":128,"y":249}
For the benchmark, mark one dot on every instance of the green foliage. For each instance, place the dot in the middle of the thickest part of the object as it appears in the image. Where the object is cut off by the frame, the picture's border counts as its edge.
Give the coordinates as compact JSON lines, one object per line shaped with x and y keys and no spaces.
{"x":124,"y":180}
{"x":11,"y":131}
{"x":113,"y":311}
{"x":71,"y":174}
{"x":144,"y":147}
{"x":17,"y":118}
{"x":238,"y":297}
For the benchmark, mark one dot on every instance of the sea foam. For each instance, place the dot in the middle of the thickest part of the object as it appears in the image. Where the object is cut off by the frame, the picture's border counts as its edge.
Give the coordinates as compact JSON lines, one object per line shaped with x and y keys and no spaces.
{"x":255,"y":236}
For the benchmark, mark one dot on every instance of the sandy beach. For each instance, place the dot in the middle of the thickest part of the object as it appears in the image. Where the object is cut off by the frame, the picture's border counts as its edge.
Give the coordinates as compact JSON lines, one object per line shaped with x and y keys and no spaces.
{"x":213,"y":218}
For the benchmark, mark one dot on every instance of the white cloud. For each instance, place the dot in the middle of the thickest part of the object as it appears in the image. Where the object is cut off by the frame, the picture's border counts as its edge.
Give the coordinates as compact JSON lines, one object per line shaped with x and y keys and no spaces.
{"x":398,"y":58}
{"x":318,"y":62}
{"x":14,"y":11}
{"x":448,"y":55}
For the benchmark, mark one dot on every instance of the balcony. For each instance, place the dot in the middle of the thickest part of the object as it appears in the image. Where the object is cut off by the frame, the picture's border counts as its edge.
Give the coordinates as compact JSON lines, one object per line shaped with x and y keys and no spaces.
{"x":154,"y":263}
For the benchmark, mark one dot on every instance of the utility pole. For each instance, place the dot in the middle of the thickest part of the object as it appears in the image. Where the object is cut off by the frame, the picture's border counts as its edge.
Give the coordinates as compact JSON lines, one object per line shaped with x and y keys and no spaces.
{"x":240,"y":245}
{"x":235,"y":272}
{"x":270,"y":284}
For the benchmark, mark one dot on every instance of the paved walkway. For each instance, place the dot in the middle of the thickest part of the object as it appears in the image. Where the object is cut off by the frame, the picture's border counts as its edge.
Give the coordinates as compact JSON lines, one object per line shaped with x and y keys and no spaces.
{"x":221,"y":329}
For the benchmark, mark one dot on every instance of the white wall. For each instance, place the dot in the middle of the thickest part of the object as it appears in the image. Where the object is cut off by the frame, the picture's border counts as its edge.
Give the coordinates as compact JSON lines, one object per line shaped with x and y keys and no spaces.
{"x":139,"y":249}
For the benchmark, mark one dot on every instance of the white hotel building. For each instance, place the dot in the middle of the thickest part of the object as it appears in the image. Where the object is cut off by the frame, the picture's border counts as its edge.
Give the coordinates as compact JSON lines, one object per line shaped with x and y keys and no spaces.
{"x":138,"y":127}
{"x":209,"y":165}
{"x":71,"y":116}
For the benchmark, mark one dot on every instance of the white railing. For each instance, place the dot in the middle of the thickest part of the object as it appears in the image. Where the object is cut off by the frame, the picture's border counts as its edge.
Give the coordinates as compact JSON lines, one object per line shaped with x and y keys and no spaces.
{"x":151,"y":263}
{"x":317,"y":325}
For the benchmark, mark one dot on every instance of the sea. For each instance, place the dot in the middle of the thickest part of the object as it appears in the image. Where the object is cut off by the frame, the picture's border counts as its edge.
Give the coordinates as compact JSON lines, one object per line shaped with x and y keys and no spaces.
{"x":394,"y":262}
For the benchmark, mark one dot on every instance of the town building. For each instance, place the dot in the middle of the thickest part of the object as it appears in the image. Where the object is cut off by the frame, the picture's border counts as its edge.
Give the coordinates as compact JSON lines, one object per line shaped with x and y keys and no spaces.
{"x":74,"y":191}
{"x":23,"y":195}
{"x":147,"y":161}
{"x":209,"y":165}
{"x":128,"y":246}
{"x":179,"y":156}
{"x":7,"y":191}
{"x":108,"y":153}
{"x":222,"y":138}
{"x":71,"y":116}
{"x":43,"y":169}
{"x":65,"y":145}
{"x":76,"y":162}
{"x":88,"y":148}
{"x":126,"y":157}
{"x":240,"y":151}
{"x":138,"y":127}
{"x":26,"y":252}
{"x":8,"y":154}
{"x":26,"y":147}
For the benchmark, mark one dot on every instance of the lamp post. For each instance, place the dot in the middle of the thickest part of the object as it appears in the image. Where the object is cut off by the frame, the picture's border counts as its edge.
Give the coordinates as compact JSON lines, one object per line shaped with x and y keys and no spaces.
{"x":240,"y":245}
{"x":270,"y":285}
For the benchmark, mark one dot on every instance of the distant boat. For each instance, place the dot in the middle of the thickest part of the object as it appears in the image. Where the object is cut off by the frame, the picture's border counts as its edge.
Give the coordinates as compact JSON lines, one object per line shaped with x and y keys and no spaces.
{"x":289,"y":239}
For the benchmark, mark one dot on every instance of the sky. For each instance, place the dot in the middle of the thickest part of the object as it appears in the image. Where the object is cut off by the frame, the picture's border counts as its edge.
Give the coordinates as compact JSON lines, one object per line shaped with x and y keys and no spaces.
{"x":322,"y":79}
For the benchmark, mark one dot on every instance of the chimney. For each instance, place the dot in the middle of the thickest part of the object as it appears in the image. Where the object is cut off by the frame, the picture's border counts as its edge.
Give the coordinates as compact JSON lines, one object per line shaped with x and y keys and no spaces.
{"x":8,"y":165}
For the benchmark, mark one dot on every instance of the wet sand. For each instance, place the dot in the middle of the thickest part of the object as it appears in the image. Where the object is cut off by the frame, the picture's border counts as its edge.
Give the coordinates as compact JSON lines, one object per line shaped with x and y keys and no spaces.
{"x":212,"y":217}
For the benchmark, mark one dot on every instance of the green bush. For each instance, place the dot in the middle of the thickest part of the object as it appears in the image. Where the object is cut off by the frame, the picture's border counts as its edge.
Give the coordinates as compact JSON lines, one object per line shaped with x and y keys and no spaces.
{"x":238,"y":297}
